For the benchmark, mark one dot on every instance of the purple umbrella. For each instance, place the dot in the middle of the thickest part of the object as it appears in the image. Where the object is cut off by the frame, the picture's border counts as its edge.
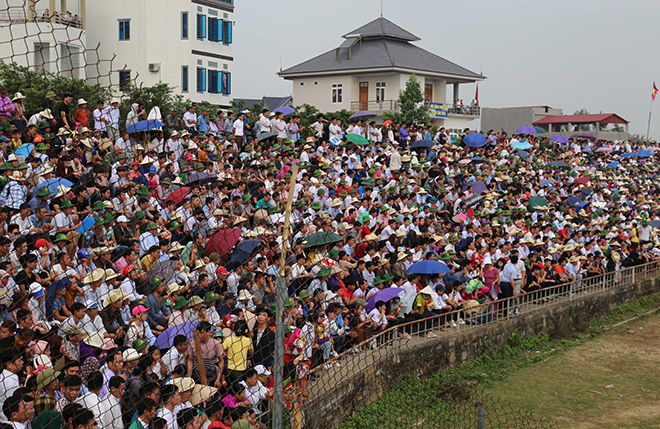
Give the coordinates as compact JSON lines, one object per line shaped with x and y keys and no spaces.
{"x":560,"y":139}
{"x":381,"y":295}
{"x":477,"y":187}
{"x":286,"y":110}
{"x":363,"y":114}
{"x":526,"y":130}
{"x":166,"y":338}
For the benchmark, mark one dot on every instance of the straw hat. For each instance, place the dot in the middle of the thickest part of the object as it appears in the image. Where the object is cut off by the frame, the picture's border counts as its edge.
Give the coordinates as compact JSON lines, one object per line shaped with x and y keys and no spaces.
{"x":95,"y":276}
{"x":114,"y":296}
{"x":62,"y":190}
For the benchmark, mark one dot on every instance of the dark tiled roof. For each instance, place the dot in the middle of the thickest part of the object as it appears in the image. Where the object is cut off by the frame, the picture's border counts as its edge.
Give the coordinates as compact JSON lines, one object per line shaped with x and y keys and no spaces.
{"x":382,"y":27}
{"x":381,"y":53}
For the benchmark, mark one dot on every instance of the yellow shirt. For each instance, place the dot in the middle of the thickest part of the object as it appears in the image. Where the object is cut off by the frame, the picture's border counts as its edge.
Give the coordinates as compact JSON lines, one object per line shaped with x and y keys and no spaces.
{"x":237,"y":352}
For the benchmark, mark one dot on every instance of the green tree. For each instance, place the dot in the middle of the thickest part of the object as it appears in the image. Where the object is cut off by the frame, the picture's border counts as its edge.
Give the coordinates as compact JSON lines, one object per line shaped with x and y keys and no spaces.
{"x":617,"y":128}
{"x":411,"y":107}
{"x":34,"y":84}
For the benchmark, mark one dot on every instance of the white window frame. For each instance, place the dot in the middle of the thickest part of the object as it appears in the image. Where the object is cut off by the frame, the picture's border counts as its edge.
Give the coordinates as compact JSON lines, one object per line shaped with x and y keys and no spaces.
{"x":337,"y":94}
{"x":381,"y":88}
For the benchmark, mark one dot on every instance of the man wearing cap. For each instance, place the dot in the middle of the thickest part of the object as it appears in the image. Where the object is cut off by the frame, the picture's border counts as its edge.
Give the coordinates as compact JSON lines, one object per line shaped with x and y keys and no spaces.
{"x":111,"y":114}
{"x":148,"y":239}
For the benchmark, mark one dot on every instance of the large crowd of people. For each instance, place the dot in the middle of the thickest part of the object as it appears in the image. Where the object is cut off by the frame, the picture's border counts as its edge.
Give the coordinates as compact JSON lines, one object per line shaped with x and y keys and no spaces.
{"x":138,"y":270}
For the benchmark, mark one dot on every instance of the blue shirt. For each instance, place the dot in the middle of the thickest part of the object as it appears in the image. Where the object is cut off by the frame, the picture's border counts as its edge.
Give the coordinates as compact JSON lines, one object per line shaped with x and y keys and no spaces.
{"x":202,"y":124}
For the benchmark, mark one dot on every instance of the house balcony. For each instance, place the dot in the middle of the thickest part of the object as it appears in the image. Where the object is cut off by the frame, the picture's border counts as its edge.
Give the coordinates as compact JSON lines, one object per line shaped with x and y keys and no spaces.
{"x":377,"y":107}
{"x":471,"y":112}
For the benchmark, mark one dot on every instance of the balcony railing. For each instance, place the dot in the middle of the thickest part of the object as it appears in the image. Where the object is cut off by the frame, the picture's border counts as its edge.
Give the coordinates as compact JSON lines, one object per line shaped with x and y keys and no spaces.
{"x":375,"y":106}
{"x":21,"y":16}
{"x":464,"y":110}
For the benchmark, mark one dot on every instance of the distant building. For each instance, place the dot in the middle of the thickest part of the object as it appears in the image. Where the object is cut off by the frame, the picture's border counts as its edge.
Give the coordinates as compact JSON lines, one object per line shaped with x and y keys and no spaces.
{"x":602,"y":126}
{"x":185,"y":43}
{"x":371,"y":66}
{"x":269,"y":103}
{"x":45,"y":35}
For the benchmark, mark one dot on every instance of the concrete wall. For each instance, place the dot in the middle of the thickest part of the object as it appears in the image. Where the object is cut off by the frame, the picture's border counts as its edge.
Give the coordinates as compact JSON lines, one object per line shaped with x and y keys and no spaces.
{"x":426,"y":357}
{"x":317,"y":91}
{"x":511,"y":119}
{"x":156,"y":37}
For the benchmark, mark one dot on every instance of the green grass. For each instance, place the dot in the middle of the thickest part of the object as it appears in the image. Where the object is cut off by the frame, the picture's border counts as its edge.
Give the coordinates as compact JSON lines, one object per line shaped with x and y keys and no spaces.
{"x":514,"y":369}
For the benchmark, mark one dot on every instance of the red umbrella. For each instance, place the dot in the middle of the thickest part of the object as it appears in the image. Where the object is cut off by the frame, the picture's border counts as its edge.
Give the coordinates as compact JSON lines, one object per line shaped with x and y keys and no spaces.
{"x":223,"y":241}
{"x":178,"y":195}
{"x":582,"y":180}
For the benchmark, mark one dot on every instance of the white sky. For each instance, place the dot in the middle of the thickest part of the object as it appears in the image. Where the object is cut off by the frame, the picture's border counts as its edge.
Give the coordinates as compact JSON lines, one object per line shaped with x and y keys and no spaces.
{"x":571,"y":54}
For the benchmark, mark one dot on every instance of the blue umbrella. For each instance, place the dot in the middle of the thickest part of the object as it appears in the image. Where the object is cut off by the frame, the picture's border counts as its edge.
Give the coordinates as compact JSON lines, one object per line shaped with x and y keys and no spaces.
{"x":585,"y":193}
{"x":166,"y":339}
{"x":644,"y":154}
{"x":363,"y":114}
{"x":521,"y":145}
{"x":582,"y":205}
{"x":477,"y":160}
{"x":149,"y":124}
{"x":24,"y":150}
{"x":382,"y":295}
{"x":526,"y":130}
{"x":286,"y":110}
{"x":422,"y":143}
{"x":475,"y":140}
{"x":52,"y":184}
{"x":522,"y":153}
{"x":573,"y":201}
{"x":560,"y":139}
{"x":87,"y":224}
{"x":428,"y":267}
{"x":477,"y":187}
{"x":613,"y":164}
{"x":548,"y":183}
{"x":243,"y":250}
{"x":629,"y":155}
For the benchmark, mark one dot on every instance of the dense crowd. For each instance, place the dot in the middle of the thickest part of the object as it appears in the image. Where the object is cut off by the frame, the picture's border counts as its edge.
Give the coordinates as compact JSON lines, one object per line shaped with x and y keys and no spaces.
{"x":138,"y":269}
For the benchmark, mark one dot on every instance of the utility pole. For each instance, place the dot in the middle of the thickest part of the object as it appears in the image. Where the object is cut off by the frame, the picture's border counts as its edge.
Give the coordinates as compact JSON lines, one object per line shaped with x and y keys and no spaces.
{"x":281,"y":296}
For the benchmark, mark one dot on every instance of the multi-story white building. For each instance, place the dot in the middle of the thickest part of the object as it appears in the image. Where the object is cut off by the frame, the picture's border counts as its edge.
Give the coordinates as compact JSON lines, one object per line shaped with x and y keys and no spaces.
{"x":185,"y":43}
{"x":45,"y":35}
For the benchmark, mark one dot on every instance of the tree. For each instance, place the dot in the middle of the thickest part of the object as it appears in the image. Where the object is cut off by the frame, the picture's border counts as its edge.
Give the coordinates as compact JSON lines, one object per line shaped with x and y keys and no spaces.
{"x":617,"y":128}
{"x":34,"y":84}
{"x":411,"y":107}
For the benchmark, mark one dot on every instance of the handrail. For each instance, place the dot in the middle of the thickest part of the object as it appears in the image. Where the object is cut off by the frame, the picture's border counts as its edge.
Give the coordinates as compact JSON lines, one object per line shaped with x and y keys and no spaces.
{"x":388,"y":341}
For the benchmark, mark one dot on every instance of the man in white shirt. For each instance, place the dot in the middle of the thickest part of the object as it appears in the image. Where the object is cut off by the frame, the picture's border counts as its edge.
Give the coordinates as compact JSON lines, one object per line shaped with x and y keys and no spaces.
{"x":91,"y":400}
{"x":12,"y":361}
{"x":176,"y":355}
{"x":265,"y":125}
{"x":238,"y":129}
{"x":335,"y":128}
{"x":190,"y":119}
{"x":279,"y":127}
{"x":111,"y":404}
{"x":99,"y":117}
{"x":112,"y":120}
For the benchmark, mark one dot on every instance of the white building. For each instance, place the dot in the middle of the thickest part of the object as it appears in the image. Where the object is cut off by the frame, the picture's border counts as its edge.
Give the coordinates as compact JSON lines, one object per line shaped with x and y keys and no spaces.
{"x":45,"y":35}
{"x":371,"y":66}
{"x":185,"y":43}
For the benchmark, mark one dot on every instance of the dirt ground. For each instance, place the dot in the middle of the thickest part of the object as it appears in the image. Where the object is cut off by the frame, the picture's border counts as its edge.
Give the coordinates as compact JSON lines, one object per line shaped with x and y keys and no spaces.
{"x":570,"y":386}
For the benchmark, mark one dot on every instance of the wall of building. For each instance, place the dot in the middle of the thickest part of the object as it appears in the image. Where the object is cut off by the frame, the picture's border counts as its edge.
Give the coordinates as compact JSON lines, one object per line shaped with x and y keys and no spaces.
{"x":427,"y":356}
{"x":511,"y":119}
{"x":317,"y":92}
{"x":156,"y":38}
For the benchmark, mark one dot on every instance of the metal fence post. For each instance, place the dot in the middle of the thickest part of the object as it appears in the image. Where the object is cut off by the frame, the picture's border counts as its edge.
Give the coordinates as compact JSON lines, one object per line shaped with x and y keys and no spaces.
{"x":481,"y":417}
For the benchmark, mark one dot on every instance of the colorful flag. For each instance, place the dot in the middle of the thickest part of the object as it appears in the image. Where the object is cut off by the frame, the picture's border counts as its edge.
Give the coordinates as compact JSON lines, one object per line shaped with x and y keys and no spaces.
{"x":476,"y":94}
{"x":654,"y":93}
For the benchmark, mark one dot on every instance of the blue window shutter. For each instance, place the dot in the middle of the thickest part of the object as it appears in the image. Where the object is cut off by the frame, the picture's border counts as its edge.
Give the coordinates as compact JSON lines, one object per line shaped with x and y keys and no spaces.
{"x":203,"y":79}
{"x":203,"y":26}
{"x":184,"y":25}
{"x":228,"y":83}
{"x":213,"y":29}
{"x":184,"y":79}
{"x":127,"y":30}
{"x":229,"y":25}
{"x":121,"y":30}
{"x":221,"y":30}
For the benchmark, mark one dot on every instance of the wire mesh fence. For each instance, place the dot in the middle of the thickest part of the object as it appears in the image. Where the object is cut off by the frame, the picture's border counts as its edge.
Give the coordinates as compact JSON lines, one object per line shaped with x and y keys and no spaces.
{"x":187,"y":271}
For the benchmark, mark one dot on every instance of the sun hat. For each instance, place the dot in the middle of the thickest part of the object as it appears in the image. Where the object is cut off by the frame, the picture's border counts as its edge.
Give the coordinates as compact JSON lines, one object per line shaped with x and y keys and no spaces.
{"x":139,"y":309}
{"x":130,"y":355}
{"x":45,"y":377}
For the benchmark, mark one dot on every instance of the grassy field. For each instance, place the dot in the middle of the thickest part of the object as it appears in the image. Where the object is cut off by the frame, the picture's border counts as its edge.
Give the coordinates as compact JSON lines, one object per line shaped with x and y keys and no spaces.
{"x":569,"y":386}
{"x":555,"y":380}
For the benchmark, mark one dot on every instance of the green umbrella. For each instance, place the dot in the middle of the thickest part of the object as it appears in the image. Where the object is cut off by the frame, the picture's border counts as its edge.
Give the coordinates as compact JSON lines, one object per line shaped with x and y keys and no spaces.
{"x":472,"y":285}
{"x":357,"y":139}
{"x":540,"y":130}
{"x":535,"y":202}
{"x":322,"y":237}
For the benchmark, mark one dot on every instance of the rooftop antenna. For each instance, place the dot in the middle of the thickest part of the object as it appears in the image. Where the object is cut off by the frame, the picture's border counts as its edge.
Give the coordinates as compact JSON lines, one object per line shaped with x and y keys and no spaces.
{"x":280,"y":63}
{"x":381,"y":8}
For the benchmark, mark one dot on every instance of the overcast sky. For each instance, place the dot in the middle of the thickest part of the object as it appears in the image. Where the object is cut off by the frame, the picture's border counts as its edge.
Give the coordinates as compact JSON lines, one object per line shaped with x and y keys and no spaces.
{"x":569,"y":54}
